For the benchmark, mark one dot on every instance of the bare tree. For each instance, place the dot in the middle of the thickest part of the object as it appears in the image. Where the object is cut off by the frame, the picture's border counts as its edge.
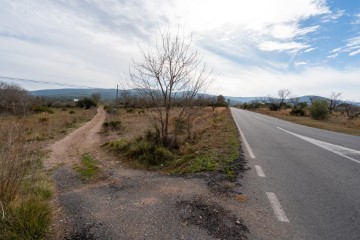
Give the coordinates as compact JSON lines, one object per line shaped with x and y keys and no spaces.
{"x":170,"y":73}
{"x":14,"y":99}
{"x":350,"y":109}
{"x":283,"y":96}
{"x":334,"y":100}
{"x":96,"y":96}
{"x":295,"y":101}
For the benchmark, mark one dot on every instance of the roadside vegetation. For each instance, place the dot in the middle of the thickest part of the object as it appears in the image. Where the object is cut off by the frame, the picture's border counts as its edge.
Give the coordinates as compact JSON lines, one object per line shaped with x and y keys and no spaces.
{"x":168,"y":124}
{"x":88,"y":168}
{"x":27,"y":124}
{"x":325,"y":113}
{"x":213,"y":147}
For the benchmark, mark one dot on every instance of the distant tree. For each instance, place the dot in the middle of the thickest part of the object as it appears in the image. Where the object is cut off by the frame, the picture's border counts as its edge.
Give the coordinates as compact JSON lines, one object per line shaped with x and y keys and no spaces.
{"x":14,"y":99}
{"x":86,"y":103}
{"x":295,"y":101}
{"x":220,"y":101}
{"x":333,"y":101}
{"x":283,"y":96}
{"x":272,"y":103}
{"x":349,"y":109}
{"x":319,"y":110}
{"x":96,"y":97}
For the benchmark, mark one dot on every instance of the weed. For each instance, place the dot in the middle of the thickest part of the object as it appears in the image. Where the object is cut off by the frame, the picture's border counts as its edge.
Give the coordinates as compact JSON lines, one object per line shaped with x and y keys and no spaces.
{"x":297,"y":112}
{"x":112,"y":126}
{"x":41,"y":108}
{"x":88,"y":168}
{"x":26,"y":219}
{"x":43,"y":120}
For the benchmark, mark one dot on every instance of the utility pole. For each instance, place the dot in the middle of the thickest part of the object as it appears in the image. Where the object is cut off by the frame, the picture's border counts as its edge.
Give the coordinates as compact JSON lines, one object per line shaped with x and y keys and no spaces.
{"x":117,"y":93}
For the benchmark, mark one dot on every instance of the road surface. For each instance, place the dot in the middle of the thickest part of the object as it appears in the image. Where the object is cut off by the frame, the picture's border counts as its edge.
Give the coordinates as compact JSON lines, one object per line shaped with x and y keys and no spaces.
{"x":304,"y":182}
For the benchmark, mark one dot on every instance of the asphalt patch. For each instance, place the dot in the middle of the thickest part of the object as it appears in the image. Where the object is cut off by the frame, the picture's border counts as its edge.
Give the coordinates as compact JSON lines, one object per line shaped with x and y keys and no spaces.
{"x":217,"y":221}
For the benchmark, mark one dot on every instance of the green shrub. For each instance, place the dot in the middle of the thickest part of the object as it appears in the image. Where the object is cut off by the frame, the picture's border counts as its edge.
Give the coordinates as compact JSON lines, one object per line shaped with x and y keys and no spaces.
{"x":130,"y":110}
{"x":112,"y":126}
{"x":273,"y":107}
{"x":297,"y":112}
{"x":145,"y":152}
{"x":319,"y":110}
{"x":86,"y":103}
{"x":28,"y":219}
{"x":119,"y":145}
{"x":71,"y":112}
{"x":88,"y":168}
{"x":41,"y":108}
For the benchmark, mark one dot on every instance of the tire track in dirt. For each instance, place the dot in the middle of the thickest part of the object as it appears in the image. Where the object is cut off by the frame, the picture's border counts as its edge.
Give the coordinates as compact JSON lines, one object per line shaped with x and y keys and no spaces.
{"x":81,"y":140}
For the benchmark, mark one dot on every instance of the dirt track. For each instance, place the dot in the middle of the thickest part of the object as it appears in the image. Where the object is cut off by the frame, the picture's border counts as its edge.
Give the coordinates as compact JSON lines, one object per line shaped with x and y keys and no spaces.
{"x":132,"y":204}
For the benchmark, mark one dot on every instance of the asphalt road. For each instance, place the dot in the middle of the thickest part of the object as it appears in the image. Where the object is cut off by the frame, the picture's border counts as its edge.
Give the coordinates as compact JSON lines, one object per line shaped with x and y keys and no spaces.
{"x":304,"y":182}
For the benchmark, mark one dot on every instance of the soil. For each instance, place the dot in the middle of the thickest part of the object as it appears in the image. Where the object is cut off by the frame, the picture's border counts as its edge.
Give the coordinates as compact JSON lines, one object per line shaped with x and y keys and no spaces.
{"x":134,"y":204}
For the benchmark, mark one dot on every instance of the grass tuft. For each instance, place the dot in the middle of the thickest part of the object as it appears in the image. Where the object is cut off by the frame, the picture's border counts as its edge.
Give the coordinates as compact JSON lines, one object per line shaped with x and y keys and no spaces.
{"x":88,"y":168}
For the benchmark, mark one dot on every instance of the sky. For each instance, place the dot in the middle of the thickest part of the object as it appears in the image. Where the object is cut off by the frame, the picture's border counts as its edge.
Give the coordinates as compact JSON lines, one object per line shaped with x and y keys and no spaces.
{"x":255,"y":47}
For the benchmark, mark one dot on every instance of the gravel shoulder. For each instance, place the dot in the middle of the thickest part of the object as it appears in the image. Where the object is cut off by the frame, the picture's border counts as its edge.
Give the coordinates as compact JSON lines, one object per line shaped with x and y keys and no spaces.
{"x":133,"y":204}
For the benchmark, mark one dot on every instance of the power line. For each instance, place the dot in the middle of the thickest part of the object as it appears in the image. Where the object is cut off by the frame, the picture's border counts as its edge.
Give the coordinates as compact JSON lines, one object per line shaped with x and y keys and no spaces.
{"x":43,"y":82}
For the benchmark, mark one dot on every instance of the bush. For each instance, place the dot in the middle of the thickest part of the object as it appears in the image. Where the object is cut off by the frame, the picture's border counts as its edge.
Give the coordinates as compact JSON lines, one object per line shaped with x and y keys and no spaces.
{"x":297,"y":112}
{"x":142,"y":150}
{"x":71,"y":112}
{"x":130,"y":110}
{"x":273,"y":107}
{"x":112,"y":126}
{"x":28,"y":219}
{"x":319,"y":110}
{"x":86,"y":103}
{"x":41,"y":108}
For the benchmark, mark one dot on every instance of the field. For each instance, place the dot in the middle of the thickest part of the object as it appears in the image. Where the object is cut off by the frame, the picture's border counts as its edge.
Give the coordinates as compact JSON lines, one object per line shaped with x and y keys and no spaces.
{"x":25,"y":187}
{"x":214,"y":145}
{"x":336,"y":122}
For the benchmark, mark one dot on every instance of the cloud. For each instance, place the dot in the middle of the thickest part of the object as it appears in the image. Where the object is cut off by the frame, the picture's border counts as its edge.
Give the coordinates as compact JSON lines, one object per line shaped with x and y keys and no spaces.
{"x":333,"y":55}
{"x":309,"y":50}
{"x":278,"y":46}
{"x":354,"y":53}
{"x":250,"y":43}
{"x":333,"y":16}
{"x":356,"y":19}
{"x":352,"y":47}
{"x":300,"y":63}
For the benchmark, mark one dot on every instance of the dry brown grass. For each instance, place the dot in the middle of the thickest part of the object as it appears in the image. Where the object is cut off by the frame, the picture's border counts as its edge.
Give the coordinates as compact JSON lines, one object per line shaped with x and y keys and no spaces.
{"x":337,"y":122}
{"x":214,"y":144}
{"x":44,"y":126}
{"x":25,"y":188}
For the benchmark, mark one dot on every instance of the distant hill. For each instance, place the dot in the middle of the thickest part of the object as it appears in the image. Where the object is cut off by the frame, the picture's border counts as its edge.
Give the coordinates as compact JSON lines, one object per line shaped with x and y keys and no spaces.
{"x":71,"y":93}
{"x":109,"y":94}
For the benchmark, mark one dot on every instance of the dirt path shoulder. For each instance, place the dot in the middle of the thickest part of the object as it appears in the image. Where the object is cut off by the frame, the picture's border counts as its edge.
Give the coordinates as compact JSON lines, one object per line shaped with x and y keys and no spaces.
{"x":133,"y":204}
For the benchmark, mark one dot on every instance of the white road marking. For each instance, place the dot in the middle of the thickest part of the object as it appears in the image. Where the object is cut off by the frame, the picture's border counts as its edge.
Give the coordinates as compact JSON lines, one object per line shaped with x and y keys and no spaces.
{"x":275,"y":204}
{"x":339,"y":150}
{"x":259,"y":171}
{"x":251,"y":153}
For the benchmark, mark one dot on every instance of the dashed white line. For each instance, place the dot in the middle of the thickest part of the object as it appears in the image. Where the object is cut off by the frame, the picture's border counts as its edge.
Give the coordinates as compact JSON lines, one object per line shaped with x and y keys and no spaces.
{"x":251,"y":153}
{"x":339,"y":150}
{"x":275,"y":204}
{"x":259,"y":171}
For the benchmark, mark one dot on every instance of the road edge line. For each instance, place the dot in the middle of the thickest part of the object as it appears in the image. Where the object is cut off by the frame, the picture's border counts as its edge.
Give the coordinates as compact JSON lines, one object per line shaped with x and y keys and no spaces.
{"x":276,"y":206}
{"x":248,"y":148}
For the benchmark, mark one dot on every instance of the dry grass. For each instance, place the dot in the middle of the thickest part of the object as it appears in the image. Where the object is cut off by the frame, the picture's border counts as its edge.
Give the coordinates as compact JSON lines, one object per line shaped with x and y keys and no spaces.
{"x":214,"y":145}
{"x":25,"y":187}
{"x":44,"y":126}
{"x":337,"y":122}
